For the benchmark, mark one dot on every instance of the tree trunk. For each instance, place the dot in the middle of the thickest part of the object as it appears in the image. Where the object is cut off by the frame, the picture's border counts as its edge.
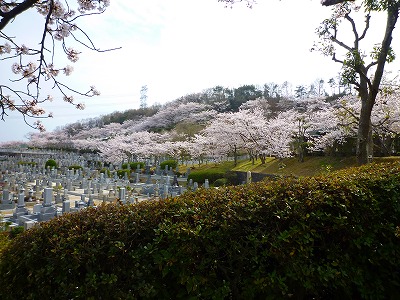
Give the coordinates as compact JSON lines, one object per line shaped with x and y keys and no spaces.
{"x":235,"y":155}
{"x":368,"y":94}
{"x":300,"y":149}
{"x":364,"y":136}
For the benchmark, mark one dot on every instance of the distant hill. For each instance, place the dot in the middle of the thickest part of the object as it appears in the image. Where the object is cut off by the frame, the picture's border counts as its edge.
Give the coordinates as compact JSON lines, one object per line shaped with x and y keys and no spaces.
{"x":195,"y":108}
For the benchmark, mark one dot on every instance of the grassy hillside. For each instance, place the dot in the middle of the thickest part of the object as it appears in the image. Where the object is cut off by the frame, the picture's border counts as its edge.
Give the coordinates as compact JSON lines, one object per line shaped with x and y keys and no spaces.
{"x":312,"y":165}
{"x":291,"y":166}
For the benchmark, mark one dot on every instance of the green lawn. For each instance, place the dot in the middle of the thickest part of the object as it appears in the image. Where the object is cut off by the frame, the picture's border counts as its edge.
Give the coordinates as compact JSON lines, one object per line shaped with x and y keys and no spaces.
{"x":291,"y":166}
{"x":312,"y":165}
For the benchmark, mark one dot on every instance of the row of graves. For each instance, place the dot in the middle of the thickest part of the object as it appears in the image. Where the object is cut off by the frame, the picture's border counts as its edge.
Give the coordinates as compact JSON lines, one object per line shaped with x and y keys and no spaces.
{"x":31,"y":193}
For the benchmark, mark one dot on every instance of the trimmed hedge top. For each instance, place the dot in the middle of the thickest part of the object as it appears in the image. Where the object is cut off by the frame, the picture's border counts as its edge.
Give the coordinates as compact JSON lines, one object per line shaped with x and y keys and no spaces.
{"x":319,"y":237}
{"x":51,"y":163}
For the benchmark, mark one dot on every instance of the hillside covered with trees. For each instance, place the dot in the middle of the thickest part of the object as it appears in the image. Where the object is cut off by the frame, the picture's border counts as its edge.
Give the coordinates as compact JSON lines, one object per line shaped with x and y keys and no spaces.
{"x":272,"y":120}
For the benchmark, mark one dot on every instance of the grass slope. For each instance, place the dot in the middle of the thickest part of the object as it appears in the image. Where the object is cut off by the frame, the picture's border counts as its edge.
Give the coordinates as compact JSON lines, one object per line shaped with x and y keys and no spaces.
{"x":312,"y":165}
{"x":291,"y":166}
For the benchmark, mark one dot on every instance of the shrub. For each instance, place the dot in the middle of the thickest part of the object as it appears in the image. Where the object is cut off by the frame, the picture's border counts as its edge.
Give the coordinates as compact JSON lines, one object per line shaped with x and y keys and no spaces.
{"x":4,"y":234}
{"x":201,"y":176}
{"x":221,"y":182}
{"x":326,"y":237}
{"x":170,"y":163}
{"x":94,"y":163}
{"x":121,"y":173}
{"x":106,"y":171}
{"x":75,"y":167}
{"x":51,"y":163}
{"x":133,"y":165}
{"x":232,"y":177}
{"x":15,"y":231}
{"x":4,"y":240}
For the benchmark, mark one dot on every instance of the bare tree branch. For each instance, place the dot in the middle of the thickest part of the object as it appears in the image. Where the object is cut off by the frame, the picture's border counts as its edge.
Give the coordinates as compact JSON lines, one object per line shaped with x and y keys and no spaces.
{"x":336,"y":59}
{"x":367,"y":19}
{"x":354,"y":29}
{"x":18,"y":9}
{"x":333,"y":2}
{"x":341,"y":44}
{"x":230,"y":3}
{"x":58,"y":18}
{"x":393,"y":14}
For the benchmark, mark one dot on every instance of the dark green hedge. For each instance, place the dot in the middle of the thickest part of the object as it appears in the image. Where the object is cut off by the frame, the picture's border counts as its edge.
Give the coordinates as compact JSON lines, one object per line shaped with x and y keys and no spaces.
{"x":51,"y":163}
{"x":170,"y":163}
{"x":201,"y":176}
{"x":133,"y":165}
{"x":221,"y":182}
{"x":75,"y":167}
{"x":121,"y":173}
{"x":328,"y":237}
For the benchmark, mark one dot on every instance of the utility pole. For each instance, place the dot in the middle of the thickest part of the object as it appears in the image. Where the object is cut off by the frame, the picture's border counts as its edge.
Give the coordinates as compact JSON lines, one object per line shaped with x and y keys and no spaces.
{"x":143,"y":96}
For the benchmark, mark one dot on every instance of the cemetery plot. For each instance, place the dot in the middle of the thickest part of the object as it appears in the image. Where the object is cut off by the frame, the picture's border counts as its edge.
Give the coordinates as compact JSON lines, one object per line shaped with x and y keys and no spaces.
{"x":32,"y":192}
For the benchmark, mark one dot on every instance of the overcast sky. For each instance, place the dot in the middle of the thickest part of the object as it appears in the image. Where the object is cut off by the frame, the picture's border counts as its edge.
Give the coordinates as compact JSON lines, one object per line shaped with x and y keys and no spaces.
{"x":177,"y":47}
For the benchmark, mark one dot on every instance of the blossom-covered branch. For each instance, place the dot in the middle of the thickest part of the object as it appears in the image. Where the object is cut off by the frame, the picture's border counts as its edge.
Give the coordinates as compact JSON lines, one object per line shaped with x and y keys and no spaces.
{"x":36,"y":66}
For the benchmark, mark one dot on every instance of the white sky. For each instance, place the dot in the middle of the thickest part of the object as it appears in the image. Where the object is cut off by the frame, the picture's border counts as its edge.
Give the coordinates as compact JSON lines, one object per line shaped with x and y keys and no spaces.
{"x":177,"y":47}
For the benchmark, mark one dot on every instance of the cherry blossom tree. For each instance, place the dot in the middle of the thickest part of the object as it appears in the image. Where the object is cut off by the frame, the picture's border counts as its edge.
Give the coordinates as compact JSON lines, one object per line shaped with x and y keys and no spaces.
{"x":112,"y":151}
{"x":173,"y":114}
{"x":238,"y":131}
{"x":312,"y":125}
{"x":178,"y":150}
{"x":133,"y":146}
{"x":53,"y":140}
{"x":280,"y":137}
{"x":222,"y":131}
{"x":202,"y":147}
{"x":251,"y":128}
{"x":385,"y":119}
{"x":12,"y":144}
{"x":35,"y":66}
{"x":257,"y":104}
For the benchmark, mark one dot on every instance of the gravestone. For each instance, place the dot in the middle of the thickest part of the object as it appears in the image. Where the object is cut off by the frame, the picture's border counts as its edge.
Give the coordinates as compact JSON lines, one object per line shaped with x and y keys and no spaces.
{"x":248,"y":177}
{"x":158,"y":172}
{"x":37,"y":207}
{"x":90,"y":201}
{"x":187,"y":172}
{"x":48,"y":210}
{"x":30,"y":195}
{"x":21,"y":209}
{"x":66,"y":206}
{"x":147,"y":169}
{"x":206,"y":184}
{"x":6,"y":202}
{"x":175,"y":181}
{"x":122,"y":195}
{"x":29,"y":224}
{"x":165,"y":195}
